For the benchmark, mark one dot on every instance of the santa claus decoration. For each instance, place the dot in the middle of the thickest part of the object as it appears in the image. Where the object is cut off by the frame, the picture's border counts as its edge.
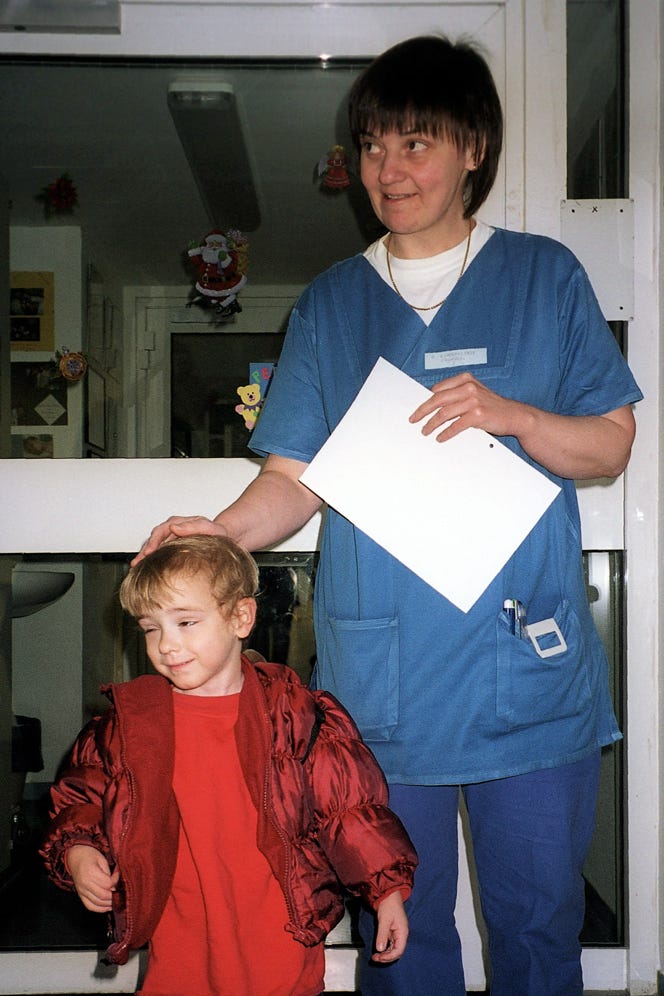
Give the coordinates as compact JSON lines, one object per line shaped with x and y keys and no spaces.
{"x":221,"y":262}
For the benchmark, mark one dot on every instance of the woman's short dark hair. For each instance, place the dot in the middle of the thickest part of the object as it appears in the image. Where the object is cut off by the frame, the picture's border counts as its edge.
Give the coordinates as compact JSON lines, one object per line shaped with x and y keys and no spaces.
{"x":432,"y":85}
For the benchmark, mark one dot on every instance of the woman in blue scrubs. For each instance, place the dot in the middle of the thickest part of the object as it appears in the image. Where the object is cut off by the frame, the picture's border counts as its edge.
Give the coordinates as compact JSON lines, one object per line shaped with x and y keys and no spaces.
{"x":505,"y":331}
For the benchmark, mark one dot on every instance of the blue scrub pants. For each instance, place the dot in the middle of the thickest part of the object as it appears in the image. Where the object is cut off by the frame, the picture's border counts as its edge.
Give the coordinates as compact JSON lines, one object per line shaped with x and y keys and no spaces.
{"x":530,"y":835}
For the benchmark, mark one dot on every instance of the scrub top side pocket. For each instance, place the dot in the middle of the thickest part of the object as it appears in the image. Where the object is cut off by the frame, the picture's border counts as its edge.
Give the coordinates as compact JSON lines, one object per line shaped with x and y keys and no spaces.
{"x":359,"y":663}
{"x":532,"y":689}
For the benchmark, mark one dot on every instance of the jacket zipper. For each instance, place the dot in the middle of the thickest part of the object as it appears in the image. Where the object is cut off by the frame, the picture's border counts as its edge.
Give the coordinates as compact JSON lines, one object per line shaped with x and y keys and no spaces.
{"x":285,"y":887}
{"x":129,"y":923}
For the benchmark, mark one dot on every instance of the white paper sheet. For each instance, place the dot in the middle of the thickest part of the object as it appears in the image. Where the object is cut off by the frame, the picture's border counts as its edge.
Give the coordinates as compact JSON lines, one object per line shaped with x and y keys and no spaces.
{"x":452,"y":512}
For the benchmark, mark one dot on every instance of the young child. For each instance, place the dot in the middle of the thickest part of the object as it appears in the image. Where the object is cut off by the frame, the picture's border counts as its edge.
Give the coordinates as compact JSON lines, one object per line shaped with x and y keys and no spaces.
{"x":217,"y":807}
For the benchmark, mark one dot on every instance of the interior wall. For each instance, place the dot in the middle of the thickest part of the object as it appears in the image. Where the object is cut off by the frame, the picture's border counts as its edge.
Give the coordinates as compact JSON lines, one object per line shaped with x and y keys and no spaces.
{"x":7,"y":787}
{"x":6,"y":563}
{"x":47,"y":674}
{"x":102,"y":647}
{"x":5,"y":403}
{"x":46,"y":648}
{"x":35,"y":250}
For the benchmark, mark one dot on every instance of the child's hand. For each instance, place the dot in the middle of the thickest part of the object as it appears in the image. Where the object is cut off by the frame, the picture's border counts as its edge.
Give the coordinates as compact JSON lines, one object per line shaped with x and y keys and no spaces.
{"x":92,"y":877}
{"x":392,"y":933}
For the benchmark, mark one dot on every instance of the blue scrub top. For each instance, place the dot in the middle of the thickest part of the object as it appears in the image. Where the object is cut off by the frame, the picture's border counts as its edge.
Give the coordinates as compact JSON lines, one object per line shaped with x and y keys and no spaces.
{"x":442,"y":696}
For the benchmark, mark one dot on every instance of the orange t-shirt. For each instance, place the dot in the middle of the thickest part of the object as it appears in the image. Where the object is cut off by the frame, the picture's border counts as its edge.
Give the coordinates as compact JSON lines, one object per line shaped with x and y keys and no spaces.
{"x":222,"y":931}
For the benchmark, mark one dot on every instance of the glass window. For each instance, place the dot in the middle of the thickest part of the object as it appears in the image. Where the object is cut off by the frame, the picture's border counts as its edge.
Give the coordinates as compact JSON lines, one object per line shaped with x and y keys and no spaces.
{"x":597,"y":168}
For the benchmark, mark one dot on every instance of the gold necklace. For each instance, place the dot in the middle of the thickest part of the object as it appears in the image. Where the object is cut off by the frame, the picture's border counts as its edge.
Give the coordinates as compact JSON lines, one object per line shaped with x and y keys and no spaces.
{"x":429,"y":307}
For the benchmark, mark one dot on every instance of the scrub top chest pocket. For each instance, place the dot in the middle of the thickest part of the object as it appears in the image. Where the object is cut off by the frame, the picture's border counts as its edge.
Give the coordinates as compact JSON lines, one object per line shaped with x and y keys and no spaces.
{"x":540,"y":669}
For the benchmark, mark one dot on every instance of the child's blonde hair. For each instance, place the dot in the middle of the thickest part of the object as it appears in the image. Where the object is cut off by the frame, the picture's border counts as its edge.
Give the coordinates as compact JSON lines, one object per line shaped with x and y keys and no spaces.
{"x":231,"y":571}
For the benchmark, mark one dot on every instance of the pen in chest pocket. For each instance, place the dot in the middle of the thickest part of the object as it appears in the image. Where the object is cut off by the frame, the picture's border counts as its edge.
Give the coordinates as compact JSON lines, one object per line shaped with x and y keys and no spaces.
{"x":516,"y":614}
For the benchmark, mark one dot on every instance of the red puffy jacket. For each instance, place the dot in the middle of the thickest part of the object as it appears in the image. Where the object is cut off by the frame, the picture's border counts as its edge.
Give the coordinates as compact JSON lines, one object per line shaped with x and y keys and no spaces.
{"x":320,"y":796}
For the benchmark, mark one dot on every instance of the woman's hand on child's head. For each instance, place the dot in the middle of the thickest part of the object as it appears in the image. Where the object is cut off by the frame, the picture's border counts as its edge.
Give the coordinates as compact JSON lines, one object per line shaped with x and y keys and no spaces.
{"x":93,"y":880}
{"x":177,"y":525}
{"x":392,"y":932}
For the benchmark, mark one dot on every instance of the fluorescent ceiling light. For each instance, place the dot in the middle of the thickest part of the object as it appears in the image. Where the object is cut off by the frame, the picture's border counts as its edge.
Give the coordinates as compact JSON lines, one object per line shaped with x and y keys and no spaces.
{"x":207,"y":120}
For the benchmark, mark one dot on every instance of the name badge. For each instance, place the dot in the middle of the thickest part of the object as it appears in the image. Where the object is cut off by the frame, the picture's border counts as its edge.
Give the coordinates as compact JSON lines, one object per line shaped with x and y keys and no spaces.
{"x":454,"y":358}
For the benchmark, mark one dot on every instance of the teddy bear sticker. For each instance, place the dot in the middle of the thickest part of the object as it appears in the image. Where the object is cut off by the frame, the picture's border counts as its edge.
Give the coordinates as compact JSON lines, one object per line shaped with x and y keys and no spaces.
{"x":249,"y":409}
{"x":252,"y":395}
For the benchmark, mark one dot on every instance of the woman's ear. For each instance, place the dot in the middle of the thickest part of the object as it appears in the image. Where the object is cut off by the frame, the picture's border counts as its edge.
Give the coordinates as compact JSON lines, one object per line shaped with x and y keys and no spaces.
{"x":475,"y":156}
{"x":244,"y":616}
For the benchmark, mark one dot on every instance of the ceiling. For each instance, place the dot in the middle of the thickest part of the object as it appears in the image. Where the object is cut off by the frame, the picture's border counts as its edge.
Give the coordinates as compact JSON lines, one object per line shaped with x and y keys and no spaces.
{"x":108,"y":126}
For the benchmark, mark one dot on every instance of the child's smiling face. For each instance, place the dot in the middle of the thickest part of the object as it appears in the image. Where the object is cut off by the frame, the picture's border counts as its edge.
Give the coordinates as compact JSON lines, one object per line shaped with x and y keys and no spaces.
{"x":195,"y":642}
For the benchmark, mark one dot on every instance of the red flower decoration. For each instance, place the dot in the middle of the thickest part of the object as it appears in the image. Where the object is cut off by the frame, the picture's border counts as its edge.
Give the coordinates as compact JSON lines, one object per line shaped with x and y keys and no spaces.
{"x":59,"y":197}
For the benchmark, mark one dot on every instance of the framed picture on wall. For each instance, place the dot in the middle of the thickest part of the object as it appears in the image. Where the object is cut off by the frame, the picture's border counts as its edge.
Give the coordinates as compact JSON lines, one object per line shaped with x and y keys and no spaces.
{"x":38,"y":394}
{"x":36,"y":446}
{"x":31,"y":311}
